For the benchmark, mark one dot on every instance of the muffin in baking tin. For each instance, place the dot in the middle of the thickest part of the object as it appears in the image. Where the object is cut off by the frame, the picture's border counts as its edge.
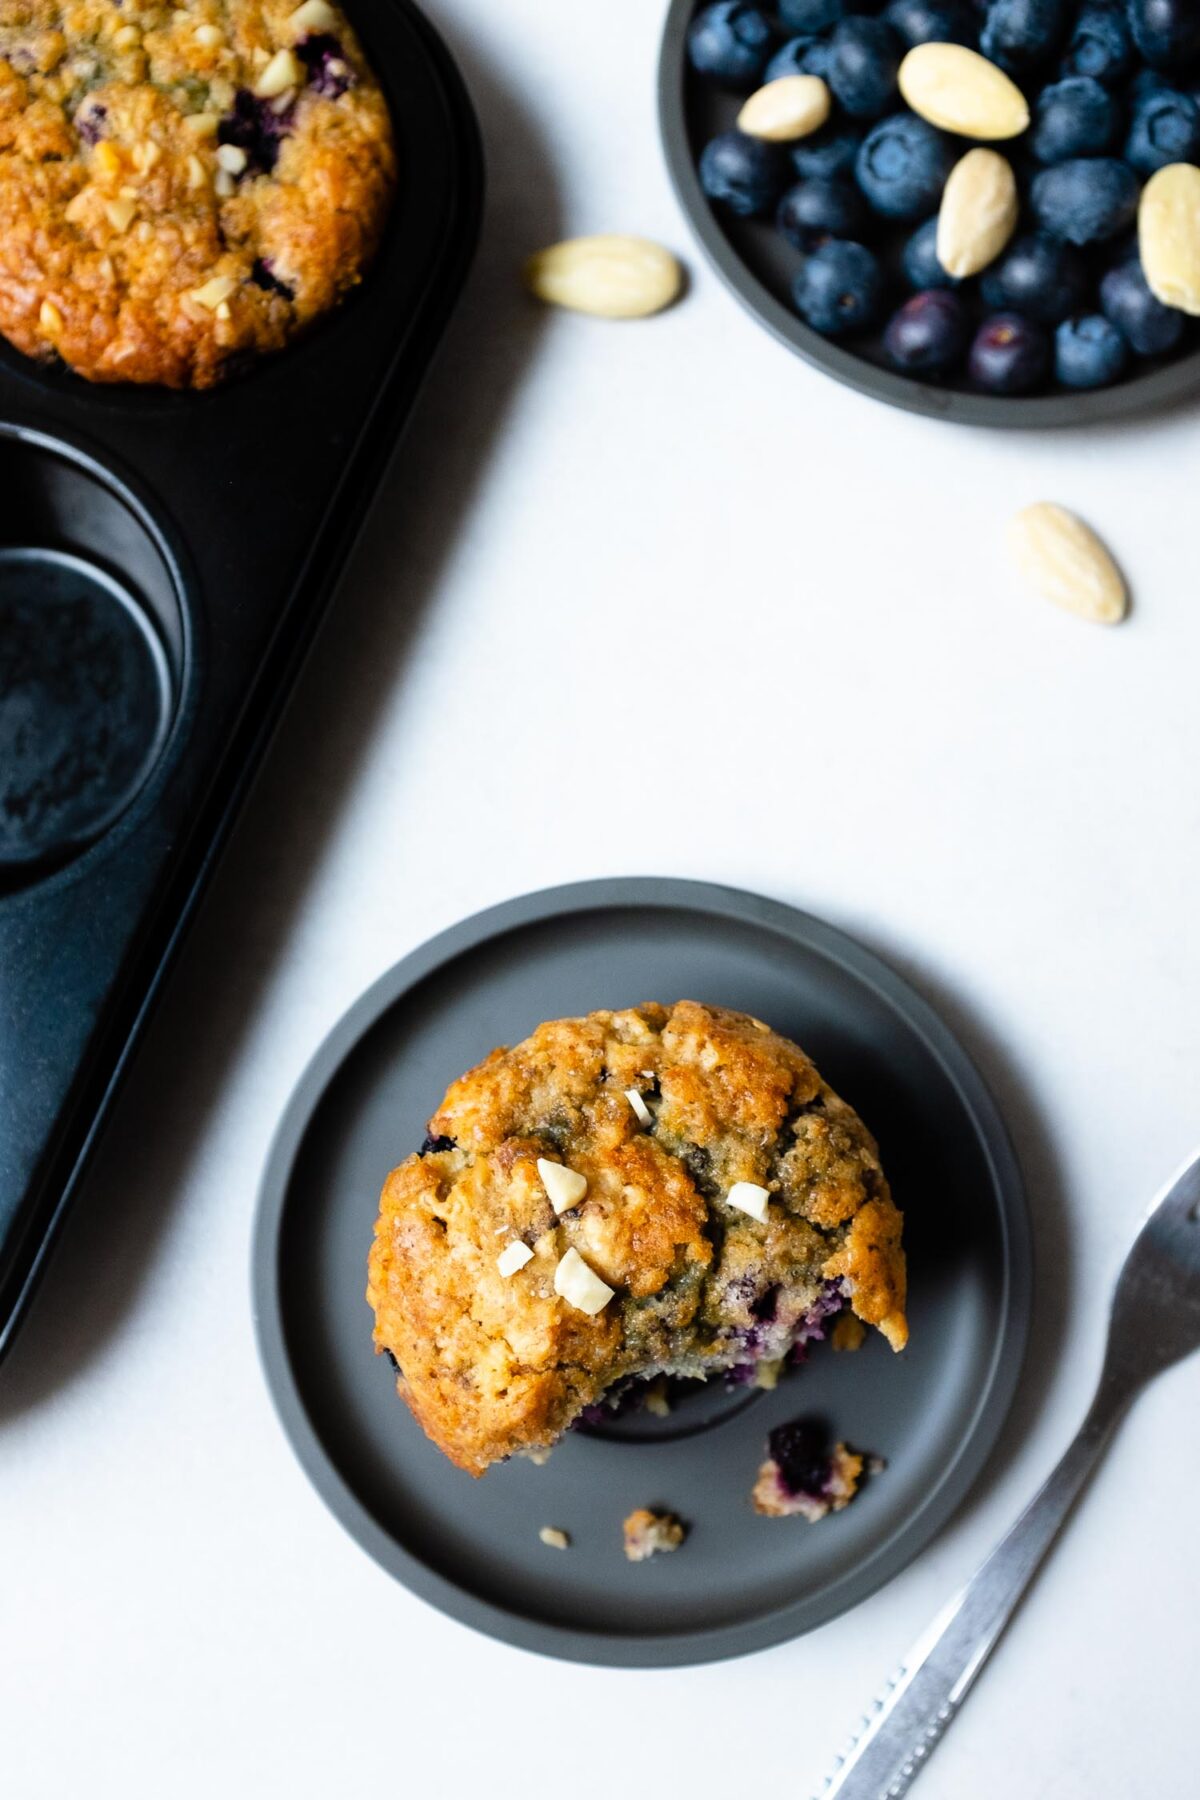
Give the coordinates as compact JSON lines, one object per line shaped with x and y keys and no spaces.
{"x":182,"y":187}
{"x":663,"y":1190}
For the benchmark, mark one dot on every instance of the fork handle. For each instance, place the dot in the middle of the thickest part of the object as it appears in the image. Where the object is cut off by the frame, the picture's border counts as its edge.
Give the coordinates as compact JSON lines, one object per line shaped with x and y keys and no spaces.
{"x":923,"y":1697}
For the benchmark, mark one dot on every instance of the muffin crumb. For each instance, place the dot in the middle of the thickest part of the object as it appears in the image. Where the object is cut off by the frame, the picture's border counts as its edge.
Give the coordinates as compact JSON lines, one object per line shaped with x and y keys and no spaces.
{"x":647,"y":1533}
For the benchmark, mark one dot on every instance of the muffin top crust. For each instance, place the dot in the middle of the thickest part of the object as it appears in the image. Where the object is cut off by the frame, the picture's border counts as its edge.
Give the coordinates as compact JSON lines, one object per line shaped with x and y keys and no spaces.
{"x":602,"y":1157}
{"x":183,"y":186}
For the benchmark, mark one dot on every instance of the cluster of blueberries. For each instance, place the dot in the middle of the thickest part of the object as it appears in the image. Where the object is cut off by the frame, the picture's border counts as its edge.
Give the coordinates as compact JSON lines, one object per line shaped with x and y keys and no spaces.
{"x":1114,"y":94}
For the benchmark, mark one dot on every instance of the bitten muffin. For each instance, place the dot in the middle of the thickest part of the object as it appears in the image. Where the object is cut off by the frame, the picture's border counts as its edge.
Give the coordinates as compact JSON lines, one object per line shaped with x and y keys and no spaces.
{"x":182,"y":186}
{"x":662,"y":1191}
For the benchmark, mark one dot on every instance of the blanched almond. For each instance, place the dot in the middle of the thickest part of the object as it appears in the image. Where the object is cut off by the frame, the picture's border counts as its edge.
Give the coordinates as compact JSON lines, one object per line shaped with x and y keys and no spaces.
{"x":580,"y":1286}
{"x":564,"y":1187}
{"x":1066,"y":562}
{"x":784,"y":110}
{"x":611,"y":276}
{"x":979,"y":212}
{"x":749,"y":1198}
{"x":959,"y":90}
{"x":1169,"y":236}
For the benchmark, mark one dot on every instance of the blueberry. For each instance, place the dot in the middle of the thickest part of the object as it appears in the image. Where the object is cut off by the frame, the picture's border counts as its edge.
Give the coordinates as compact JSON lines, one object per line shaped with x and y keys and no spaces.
{"x":816,"y":58}
{"x":89,"y":121}
{"x":254,"y":127}
{"x":825,"y":206}
{"x":433,"y":1146}
{"x":789,"y":59}
{"x":830,"y":151}
{"x":1099,"y":45}
{"x":902,"y":167}
{"x":1150,"y":328}
{"x":743,"y":173}
{"x":839,"y":288}
{"x":1039,"y":276}
{"x":1089,"y":352}
{"x":1019,"y":34}
{"x":932,"y":22}
{"x":864,"y":58}
{"x":921,"y":266}
{"x":929,"y":333}
{"x":810,"y":15}
{"x":329,"y":74}
{"x":1167,"y":32}
{"x":263,"y":275}
{"x":800,"y":1453}
{"x":1165,"y":129}
{"x":1086,"y":200}
{"x":731,"y":42}
{"x":1010,"y":355}
{"x":1075,"y":117}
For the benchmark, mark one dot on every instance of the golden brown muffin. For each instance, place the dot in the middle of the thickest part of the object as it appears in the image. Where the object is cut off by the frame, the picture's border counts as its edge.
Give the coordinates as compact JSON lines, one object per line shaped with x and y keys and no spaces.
{"x":574,"y":1223}
{"x":180,"y":186}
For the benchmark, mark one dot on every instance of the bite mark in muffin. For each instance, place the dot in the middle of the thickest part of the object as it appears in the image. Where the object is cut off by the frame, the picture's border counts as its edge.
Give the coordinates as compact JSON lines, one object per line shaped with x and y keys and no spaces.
{"x":494,"y":1366}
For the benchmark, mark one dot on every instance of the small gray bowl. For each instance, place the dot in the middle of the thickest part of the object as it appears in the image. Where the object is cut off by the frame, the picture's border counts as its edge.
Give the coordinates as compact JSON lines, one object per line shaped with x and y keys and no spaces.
{"x":758,"y":265}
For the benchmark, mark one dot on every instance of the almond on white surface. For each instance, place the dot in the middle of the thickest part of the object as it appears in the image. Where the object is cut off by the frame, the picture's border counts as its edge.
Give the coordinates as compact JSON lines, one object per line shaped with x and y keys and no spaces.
{"x":1169,"y":236}
{"x":580,"y":1286}
{"x":959,"y":90}
{"x":781,"y":112}
{"x":564,"y":1187}
{"x":979,"y":212}
{"x":610,"y":276}
{"x":1066,"y":562}
{"x":748,"y":1197}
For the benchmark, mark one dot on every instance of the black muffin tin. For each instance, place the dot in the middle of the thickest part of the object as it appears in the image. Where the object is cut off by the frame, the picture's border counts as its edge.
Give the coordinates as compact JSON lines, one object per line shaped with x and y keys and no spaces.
{"x":164,"y":560}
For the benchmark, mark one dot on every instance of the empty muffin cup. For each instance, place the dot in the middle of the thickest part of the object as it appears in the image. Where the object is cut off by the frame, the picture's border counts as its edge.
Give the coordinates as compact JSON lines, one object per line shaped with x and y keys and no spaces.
{"x":85,"y":702}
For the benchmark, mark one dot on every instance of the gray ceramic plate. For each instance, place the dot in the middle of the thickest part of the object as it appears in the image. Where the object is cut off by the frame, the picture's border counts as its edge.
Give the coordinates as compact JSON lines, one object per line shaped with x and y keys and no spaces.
{"x":740,"y":1582}
{"x":758,"y":265}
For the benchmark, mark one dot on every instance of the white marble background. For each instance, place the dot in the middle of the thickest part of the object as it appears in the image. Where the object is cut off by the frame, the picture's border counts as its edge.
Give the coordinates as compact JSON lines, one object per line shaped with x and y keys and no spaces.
{"x":650,"y":598}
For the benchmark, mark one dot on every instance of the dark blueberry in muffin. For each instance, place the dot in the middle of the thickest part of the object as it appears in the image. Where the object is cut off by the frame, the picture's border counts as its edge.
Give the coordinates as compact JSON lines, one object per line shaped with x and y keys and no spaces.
{"x":329,"y":74}
{"x":1089,"y":352}
{"x":743,"y":173}
{"x":902,"y":167}
{"x":262,"y":276}
{"x":731,"y":43}
{"x":928,"y":334}
{"x":1010,"y":355}
{"x":434,"y":1146}
{"x":89,"y":121}
{"x":864,"y":59}
{"x":827,"y":206}
{"x":254,"y":128}
{"x":839,"y":289}
{"x":1039,"y":276}
{"x":1075,"y":117}
{"x":1150,"y":328}
{"x":1087,"y":200}
{"x":1165,"y":128}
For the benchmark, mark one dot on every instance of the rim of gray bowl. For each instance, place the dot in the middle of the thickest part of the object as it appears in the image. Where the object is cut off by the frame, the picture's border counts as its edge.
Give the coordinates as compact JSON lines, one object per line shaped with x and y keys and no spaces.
{"x":1159,"y":387}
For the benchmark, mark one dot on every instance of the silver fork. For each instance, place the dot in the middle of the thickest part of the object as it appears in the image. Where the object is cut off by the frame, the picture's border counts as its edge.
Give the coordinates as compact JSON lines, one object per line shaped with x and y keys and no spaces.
{"x":1155,"y":1321}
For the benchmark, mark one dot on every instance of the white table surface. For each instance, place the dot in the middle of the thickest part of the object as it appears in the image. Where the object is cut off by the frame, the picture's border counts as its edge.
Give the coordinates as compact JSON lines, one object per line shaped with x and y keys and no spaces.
{"x":641,"y":598}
